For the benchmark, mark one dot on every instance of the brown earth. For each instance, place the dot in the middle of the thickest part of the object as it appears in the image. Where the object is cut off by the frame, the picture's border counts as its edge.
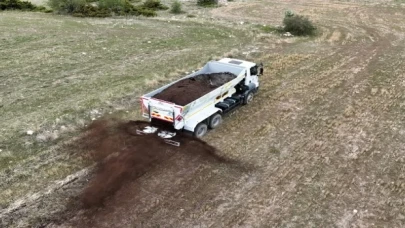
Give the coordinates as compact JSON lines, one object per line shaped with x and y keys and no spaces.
{"x":123,"y":155}
{"x":187,"y":90}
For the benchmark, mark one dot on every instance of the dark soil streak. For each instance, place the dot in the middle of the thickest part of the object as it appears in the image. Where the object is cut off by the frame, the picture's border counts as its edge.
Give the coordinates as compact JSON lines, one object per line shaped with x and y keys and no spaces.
{"x":123,"y":155}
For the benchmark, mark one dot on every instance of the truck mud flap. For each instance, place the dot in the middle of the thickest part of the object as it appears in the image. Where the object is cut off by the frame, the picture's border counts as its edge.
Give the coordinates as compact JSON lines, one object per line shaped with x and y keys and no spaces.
{"x":172,"y":142}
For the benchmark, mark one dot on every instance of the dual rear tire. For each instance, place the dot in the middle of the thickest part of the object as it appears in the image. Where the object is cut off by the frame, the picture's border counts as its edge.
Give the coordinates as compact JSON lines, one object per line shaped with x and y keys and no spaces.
{"x":215,"y":120}
{"x":202,"y":128}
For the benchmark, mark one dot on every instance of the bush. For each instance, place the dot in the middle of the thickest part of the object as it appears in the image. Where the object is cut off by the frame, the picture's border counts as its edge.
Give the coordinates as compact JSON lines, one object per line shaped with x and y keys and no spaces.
{"x":207,"y":2}
{"x":67,"y":6}
{"x":114,"y":5}
{"x":124,"y":7}
{"x":91,"y":11}
{"x":104,"y":8}
{"x":298,"y":25}
{"x":176,"y":7}
{"x":19,"y":5}
{"x":154,"y":5}
{"x":144,"y":12}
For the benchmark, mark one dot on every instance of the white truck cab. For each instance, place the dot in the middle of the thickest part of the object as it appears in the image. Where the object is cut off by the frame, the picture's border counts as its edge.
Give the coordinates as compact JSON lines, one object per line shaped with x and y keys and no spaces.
{"x":252,"y":73}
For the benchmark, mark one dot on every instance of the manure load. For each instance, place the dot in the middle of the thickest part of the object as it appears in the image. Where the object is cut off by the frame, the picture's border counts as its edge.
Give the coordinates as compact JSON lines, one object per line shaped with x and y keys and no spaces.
{"x":187,"y":90}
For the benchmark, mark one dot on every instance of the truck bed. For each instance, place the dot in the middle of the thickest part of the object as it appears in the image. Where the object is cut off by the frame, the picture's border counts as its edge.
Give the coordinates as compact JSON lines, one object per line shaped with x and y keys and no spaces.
{"x":180,"y":101}
{"x":189,"y":89}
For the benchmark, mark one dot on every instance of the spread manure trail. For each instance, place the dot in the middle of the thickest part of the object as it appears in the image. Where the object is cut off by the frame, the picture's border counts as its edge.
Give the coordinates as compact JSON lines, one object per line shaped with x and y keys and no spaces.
{"x":122,"y":155}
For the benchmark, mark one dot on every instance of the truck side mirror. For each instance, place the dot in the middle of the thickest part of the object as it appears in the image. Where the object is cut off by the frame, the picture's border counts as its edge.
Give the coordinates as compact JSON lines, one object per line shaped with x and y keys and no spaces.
{"x":261,"y":69}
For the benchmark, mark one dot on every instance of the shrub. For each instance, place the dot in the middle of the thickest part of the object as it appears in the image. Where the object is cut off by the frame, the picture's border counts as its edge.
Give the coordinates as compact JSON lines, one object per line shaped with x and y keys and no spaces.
{"x":207,"y":2}
{"x":20,"y":5}
{"x":124,"y":7}
{"x":176,"y":7}
{"x":68,"y":6}
{"x":91,"y":11}
{"x":16,"y":5}
{"x":154,"y":5}
{"x":118,"y":7}
{"x":104,"y":8}
{"x":289,"y":13}
{"x":114,"y":5}
{"x":143,"y":11}
{"x":298,"y":25}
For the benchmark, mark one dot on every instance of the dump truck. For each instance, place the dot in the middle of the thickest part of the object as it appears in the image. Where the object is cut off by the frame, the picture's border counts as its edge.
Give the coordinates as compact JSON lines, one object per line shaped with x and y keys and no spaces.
{"x":197,"y":102}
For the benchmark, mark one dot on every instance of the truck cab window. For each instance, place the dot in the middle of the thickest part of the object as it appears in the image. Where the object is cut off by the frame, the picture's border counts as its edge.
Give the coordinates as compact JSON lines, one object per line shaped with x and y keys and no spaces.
{"x":253,"y":70}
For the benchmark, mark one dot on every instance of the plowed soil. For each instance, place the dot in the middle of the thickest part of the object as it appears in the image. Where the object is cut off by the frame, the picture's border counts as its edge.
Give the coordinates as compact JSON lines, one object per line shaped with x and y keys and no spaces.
{"x":187,"y":90}
{"x":124,"y":155}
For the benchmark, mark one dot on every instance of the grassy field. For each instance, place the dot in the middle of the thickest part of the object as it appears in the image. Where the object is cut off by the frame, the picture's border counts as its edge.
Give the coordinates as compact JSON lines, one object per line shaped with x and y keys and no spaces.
{"x":60,"y":72}
{"x":323,"y":138}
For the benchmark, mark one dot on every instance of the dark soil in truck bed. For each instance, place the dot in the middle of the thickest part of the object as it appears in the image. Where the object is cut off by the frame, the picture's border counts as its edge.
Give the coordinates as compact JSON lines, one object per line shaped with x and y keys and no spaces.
{"x":185,"y":91}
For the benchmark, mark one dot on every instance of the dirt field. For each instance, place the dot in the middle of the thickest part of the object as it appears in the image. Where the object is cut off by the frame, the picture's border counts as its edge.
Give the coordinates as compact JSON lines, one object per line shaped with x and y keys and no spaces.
{"x":322,"y":145}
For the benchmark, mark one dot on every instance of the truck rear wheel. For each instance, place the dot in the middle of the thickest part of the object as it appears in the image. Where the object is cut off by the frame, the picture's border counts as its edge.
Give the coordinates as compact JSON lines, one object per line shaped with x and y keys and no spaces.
{"x":200,"y":130}
{"x":215,"y":120}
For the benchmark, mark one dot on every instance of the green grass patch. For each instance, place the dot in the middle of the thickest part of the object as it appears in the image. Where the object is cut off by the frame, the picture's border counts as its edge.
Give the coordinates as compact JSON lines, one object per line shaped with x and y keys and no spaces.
{"x":269,"y":29}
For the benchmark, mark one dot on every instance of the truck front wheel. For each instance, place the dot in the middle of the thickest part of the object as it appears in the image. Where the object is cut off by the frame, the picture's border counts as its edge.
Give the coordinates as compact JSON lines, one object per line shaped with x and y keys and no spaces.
{"x":215,"y":120}
{"x":248,"y":97}
{"x":200,"y":130}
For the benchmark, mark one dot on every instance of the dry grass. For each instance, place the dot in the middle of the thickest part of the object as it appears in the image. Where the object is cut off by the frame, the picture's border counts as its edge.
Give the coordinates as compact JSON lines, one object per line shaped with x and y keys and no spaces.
{"x":324,"y":135}
{"x":59,"y":73}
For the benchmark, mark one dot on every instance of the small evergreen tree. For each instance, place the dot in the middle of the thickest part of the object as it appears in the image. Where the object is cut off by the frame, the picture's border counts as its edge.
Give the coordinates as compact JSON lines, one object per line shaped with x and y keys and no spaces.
{"x":176,"y":7}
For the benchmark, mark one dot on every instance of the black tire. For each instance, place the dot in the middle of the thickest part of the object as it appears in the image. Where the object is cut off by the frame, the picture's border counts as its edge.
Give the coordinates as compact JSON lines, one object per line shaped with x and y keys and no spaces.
{"x":215,"y":120}
{"x":248,"y":97}
{"x":200,"y":130}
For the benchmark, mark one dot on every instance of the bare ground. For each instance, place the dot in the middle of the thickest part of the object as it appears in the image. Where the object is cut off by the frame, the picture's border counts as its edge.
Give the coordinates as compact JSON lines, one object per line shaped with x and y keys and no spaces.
{"x":323,"y":140}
